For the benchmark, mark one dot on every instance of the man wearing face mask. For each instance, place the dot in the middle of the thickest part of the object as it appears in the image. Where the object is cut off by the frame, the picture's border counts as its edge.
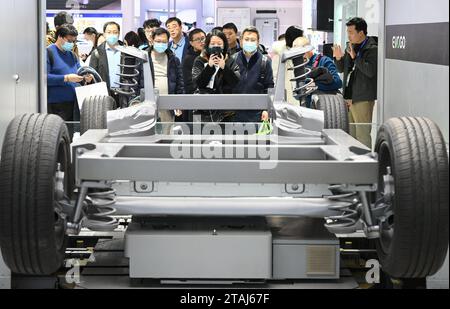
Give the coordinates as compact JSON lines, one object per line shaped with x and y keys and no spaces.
{"x":256,"y":72}
{"x":106,"y":58}
{"x":167,"y":71}
{"x":62,"y":66}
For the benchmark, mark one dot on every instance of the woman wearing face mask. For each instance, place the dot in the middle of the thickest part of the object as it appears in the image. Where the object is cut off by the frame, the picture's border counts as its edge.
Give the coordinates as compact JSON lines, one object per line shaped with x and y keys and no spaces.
{"x":90,"y":35}
{"x":62,"y":66}
{"x":214,"y":72}
{"x":167,"y":71}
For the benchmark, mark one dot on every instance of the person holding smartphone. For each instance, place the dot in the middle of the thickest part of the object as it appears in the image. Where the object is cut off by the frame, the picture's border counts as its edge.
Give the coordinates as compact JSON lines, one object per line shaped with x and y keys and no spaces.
{"x":62,"y":77}
{"x":215,"y":72}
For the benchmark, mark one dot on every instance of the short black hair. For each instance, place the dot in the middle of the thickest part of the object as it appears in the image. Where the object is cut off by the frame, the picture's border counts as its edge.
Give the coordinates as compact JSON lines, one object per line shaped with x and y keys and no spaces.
{"x":133,"y":39}
{"x":111,"y":23}
{"x":252,"y":30}
{"x":90,"y":30}
{"x":142,"y":36}
{"x":230,"y":26}
{"x":217,"y":29}
{"x":194,"y":32}
{"x":282,"y":37}
{"x":152,"y":23}
{"x":160,"y":31}
{"x":359,"y":23}
{"x":172,"y":19}
{"x":65,"y":30}
{"x":220,"y":35}
{"x":63,"y":18}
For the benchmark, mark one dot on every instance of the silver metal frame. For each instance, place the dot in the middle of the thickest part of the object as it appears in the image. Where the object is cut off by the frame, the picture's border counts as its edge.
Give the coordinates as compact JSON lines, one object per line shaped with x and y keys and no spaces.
{"x":299,"y":151}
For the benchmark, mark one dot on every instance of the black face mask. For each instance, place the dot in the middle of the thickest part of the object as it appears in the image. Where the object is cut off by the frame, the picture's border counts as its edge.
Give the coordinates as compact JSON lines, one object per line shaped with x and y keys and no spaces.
{"x":215,"y":50}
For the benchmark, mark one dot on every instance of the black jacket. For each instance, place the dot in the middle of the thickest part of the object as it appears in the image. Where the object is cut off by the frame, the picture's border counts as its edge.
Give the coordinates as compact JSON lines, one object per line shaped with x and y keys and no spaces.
{"x":226,"y":80}
{"x":174,"y":72}
{"x":188,"y":64}
{"x":252,"y":79}
{"x":364,"y":79}
{"x":255,"y":79}
{"x":99,"y":62}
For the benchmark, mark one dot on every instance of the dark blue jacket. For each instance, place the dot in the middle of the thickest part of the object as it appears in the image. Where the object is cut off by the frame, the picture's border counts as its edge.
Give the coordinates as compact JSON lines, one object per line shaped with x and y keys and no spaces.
{"x":174,"y":72}
{"x":252,"y":82}
{"x":61,"y":64}
{"x":328,"y":63}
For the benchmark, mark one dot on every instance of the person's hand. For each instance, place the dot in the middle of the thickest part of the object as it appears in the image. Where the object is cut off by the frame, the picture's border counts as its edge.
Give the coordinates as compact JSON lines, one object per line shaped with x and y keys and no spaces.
{"x":351,"y":51}
{"x":265,"y":116}
{"x":213,"y":60}
{"x":89,"y":78}
{"x":178,"y":113}
{"x":349,"y":103}
{"x":337,"y":52}
{"x":222,"y":61}
{"x":73,"y":78}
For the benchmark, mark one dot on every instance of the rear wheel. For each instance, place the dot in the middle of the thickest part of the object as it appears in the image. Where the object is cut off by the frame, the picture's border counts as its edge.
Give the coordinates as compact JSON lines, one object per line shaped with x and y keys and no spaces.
{"x":94,"y":113}
{"x":414,"y":227}
{"x":335,"y":110}
{"x":35,"y":181}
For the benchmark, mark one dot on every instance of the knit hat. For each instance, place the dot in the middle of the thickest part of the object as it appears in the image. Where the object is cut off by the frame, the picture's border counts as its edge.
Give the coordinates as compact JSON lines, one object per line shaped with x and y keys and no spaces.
{"x":293,"y":33}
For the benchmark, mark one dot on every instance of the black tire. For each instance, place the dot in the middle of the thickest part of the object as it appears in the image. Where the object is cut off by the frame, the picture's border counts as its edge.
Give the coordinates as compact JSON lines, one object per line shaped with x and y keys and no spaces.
{"x":32,"y":234}
{"x":414,"y":241}
{"x":336,"y":111}
{"x":94,"y":112}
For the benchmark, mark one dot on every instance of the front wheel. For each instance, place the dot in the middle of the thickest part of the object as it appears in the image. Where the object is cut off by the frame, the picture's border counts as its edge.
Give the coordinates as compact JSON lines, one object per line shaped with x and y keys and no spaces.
{"x":413,"y":182}
{"x":35,"y":181}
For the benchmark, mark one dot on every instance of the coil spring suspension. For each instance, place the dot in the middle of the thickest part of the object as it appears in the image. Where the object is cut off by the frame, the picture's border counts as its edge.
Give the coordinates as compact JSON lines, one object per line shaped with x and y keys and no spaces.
{"x":128,"y":84}
{"x":350,"y":212}
{"x":304,"y":82}
{"x":99,"y":211}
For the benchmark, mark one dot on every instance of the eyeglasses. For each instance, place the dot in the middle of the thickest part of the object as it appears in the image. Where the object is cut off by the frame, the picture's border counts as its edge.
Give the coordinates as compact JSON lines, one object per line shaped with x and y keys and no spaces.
{"x":71,"y":41}
{"x":200,"y":40}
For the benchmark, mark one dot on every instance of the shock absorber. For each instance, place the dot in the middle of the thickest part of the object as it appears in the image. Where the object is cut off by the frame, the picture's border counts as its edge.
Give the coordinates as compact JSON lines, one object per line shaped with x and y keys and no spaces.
{"x":99,"y":211}
{"x":129,"y":84}
{"x":304,"y":83}
{"x":348,"y":219}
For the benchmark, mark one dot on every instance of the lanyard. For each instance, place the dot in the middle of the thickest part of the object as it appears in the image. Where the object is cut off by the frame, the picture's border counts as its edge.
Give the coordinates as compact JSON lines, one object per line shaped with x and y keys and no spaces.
{"x":317,"y":61}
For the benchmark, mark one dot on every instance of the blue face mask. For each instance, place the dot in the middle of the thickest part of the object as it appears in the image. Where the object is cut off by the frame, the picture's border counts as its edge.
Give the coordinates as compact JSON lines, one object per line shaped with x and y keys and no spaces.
{"x":112,"y":40}
{"x":68,"y":46}
{"x":250,"y":47}
{"x":160,"y":47}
